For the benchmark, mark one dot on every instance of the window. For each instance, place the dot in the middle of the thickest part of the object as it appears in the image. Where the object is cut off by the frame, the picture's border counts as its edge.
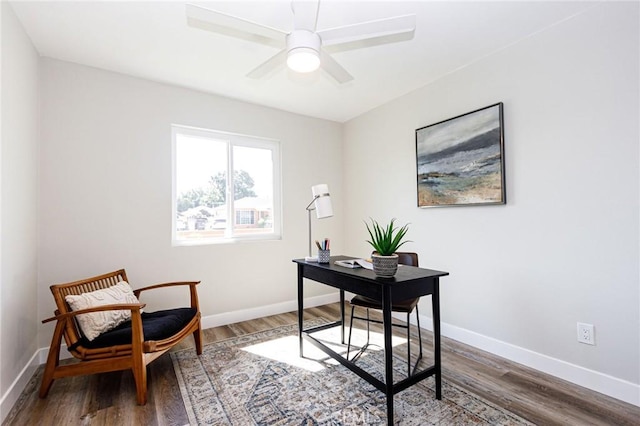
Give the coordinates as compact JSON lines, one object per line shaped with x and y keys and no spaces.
{"x":209,"y":166}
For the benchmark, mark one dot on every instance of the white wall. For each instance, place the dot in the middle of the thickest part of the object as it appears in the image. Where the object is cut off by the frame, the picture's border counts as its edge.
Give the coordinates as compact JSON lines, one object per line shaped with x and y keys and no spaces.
{"x":565,"y":247}
{"x":18,"y":209}
{"x":105,"y":189}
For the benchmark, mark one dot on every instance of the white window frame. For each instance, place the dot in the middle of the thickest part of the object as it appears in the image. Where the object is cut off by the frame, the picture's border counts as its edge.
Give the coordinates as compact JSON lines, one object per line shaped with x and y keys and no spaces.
{"x":232,"y":139}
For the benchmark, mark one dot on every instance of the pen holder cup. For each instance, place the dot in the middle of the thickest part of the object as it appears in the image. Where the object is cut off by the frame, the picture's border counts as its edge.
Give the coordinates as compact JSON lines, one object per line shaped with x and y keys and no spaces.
{"x":323,"y":256}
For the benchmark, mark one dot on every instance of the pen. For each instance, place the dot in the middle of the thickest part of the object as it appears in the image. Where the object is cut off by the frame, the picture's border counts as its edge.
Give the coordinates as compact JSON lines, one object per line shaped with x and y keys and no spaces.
{"x":318,"y":245}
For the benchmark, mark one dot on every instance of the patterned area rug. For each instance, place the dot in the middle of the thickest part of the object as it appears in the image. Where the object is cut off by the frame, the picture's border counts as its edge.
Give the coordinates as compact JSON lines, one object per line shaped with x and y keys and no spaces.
{"x":258,"y":379}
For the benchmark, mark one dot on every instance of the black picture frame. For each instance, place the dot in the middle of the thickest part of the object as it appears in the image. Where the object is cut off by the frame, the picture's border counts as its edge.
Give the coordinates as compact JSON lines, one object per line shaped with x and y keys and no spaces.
{"x":460,"y":161}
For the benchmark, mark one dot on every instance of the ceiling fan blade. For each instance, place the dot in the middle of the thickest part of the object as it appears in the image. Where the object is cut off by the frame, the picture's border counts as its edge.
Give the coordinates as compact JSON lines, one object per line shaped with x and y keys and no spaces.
{"x":369,"y":42}
{"x":212,"y":20}
{"x":305,"y":14}
{"x":387,"y":28}
{"x":269,"y":65}
{"x":333,"y":68}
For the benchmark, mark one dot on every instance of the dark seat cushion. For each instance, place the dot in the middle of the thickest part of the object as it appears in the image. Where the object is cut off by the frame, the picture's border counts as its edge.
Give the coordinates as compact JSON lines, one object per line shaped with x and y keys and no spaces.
{"x":399,"y":306}
{"x":156,"y":325}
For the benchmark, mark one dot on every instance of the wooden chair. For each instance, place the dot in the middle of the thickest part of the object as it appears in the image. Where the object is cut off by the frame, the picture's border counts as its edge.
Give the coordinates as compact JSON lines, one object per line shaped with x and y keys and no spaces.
{"x":131,"y":345}
{"x":404,"y":306}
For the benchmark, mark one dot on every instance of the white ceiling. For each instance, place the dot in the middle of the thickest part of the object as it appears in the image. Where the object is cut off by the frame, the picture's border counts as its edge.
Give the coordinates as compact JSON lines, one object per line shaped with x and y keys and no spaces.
{"x":151,"y":39}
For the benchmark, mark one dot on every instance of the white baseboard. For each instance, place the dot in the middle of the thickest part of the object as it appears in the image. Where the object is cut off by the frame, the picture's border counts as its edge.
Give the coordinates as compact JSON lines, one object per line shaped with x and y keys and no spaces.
{"x":590,"y":379}
{"x":599,"y":382}
{"x":262,"y":311}
{"x":13,"y":393}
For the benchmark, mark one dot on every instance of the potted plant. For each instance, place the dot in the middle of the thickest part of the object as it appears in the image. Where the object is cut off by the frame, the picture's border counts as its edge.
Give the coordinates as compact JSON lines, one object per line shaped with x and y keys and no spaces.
{"x":385,"y":241}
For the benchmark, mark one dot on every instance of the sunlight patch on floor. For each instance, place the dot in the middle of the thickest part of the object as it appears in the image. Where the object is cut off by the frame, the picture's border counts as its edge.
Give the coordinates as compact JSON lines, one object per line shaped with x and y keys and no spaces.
{"x":286,"y":349}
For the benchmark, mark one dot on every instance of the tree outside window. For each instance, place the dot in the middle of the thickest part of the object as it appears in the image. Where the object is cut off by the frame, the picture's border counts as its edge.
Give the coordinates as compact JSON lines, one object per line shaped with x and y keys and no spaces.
{"x":208,"y":167}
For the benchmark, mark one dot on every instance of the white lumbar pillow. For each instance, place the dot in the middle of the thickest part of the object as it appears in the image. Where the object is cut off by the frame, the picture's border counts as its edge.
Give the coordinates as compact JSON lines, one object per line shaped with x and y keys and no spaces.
{"x":95,"y":323}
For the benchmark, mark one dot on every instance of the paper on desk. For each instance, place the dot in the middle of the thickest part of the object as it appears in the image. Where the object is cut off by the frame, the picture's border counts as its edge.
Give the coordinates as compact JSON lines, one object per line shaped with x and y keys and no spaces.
{"x":365,"y":263}
{"x":354,"y":263}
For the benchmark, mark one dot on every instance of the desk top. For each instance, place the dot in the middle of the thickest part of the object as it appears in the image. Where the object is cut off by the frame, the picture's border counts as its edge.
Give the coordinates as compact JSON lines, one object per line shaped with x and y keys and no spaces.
{"x":405,"y":273}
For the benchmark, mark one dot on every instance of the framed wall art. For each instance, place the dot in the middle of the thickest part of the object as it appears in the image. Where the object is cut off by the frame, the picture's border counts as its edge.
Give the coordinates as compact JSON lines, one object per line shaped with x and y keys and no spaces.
{"x":460,"y":161}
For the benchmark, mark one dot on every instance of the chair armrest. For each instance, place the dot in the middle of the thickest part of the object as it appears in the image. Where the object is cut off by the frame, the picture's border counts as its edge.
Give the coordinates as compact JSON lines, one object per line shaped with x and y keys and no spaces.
{"x":172,"y":284}
{"x":192,"y":289}
{"x":133,"y":307}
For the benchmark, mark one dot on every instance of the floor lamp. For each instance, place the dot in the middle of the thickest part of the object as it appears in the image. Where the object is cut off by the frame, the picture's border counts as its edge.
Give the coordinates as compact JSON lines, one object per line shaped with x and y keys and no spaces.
{"x":321,"y":203}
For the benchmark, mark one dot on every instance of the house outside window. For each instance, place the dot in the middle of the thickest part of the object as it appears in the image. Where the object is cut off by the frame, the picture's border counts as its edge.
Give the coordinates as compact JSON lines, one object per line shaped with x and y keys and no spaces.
{"x":226,"y":187}
{"x":245,"y":217}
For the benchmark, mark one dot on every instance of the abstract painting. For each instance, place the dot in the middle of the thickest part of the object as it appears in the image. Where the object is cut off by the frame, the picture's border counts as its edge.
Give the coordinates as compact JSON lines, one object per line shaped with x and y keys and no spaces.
{"x":460,"y":161}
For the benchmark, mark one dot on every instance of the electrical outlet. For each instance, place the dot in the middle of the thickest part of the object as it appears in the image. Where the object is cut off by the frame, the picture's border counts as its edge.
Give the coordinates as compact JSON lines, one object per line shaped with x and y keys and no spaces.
{"x":586,"y":333}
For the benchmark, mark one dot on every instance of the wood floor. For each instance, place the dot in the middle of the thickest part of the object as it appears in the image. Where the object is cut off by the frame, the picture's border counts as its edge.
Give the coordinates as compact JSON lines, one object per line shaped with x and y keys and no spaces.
{"x":109,"y":398}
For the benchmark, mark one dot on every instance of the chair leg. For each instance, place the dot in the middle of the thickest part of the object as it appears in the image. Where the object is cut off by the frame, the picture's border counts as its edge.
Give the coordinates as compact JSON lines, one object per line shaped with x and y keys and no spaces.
{"x":415,"y":366}
{"x":53,"y":359}
{"x":367,"y":344}
{"x":139,"y":365}
{"x":197,"y":336}
{"x":140,"y":377}
{"x":47,"y":381}
{"x":350,"y":330}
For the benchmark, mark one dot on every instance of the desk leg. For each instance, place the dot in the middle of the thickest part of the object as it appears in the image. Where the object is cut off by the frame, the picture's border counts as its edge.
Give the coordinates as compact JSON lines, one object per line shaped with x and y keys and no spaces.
{"x":300,"y":306}
{"x":388,"y":351}
{"x":435,"y":301}
{"x":342,"y":315}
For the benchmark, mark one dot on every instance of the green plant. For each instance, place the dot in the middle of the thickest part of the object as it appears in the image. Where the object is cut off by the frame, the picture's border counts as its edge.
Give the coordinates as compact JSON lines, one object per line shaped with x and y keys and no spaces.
{"x":386,"y":240}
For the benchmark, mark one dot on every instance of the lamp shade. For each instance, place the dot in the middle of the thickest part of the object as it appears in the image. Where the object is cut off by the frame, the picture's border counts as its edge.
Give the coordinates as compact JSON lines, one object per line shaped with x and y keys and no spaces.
{"x":322,"y":200}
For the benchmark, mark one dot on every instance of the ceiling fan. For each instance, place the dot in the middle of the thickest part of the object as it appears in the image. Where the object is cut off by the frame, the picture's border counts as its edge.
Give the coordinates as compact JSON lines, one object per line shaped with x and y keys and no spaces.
{"x":305,"y":48}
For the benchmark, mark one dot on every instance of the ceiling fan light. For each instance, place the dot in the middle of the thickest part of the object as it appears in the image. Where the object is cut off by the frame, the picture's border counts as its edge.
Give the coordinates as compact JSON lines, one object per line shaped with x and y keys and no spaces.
{"x":303,"y":59}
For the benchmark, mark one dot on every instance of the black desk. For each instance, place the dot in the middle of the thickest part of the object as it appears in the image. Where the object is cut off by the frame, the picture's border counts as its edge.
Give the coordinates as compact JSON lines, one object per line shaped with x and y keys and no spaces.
{"x":408,"y":282}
